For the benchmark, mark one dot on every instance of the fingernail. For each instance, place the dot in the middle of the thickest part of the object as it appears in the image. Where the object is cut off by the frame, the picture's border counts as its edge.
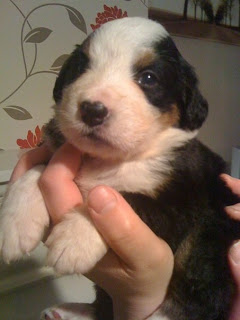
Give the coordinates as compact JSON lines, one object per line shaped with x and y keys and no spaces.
{"x":234,"y":209}
{"x":235,"y":253}
{"x":101,"y":200}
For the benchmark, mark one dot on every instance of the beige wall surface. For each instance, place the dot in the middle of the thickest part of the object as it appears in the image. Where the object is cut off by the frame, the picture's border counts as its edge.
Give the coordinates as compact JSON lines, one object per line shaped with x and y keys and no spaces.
{"x":36,"y":37}
{"x":218,"y":69}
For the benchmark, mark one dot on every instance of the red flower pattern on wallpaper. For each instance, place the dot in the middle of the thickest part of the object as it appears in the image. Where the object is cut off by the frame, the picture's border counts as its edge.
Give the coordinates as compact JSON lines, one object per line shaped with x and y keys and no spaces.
{"x":33,"y":140}
{"x":109,"y":14}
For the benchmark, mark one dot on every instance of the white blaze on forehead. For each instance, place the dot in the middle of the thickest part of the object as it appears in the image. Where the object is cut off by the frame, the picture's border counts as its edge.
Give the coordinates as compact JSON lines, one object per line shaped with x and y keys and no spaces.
{"x":132,"y":122}
{"x":120,"y":41}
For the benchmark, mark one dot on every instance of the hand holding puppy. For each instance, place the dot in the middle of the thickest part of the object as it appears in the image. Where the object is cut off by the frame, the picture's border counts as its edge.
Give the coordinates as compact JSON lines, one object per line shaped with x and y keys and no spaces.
{"x":136,"y":253}
{"x":135,"y":277}
{"x":139,"y":264}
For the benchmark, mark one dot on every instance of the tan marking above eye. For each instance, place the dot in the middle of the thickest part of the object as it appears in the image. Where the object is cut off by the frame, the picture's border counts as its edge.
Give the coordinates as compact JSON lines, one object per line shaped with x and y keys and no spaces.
{"x":146,"y":58}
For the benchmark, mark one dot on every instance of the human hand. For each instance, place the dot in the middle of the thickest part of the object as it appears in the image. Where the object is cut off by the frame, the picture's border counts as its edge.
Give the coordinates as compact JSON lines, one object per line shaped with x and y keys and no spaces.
{"x":54,"y":175}
{"x":139,"y":264}
{"x":234,"y":253}
{"x":130,"y":265}
{"x":136,"y":271}
{"x":30,"y":159}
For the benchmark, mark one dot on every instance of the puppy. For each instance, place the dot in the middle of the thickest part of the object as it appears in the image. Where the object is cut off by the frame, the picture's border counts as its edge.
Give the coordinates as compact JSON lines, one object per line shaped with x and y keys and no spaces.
{"x":130,"y":102}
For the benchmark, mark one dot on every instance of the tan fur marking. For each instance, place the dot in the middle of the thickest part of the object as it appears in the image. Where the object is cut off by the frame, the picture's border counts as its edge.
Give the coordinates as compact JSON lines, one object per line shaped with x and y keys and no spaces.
{"x":183,"y":252}
{"x":145,"y":59}
{"x":170,"y":118}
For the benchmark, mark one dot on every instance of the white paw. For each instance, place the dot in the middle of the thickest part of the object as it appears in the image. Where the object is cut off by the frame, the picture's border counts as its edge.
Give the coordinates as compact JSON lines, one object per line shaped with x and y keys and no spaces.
{"x":69,"y":311}
{"x":75,"y":246}
{"x":23,"y":216}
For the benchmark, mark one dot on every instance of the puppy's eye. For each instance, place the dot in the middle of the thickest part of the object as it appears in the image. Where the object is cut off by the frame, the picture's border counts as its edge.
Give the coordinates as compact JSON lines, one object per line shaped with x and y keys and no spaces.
{"x":148,"y":79}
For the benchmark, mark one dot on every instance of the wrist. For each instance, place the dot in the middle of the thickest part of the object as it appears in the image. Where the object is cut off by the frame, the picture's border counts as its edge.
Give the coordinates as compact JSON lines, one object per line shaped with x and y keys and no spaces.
{"x":134,"y":310}
{"x":123,"y":310}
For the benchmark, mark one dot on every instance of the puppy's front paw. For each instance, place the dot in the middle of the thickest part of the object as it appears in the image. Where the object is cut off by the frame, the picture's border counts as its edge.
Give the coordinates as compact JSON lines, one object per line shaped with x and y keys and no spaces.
{"x":69,"y":311}
{"x":75,"y":246}
{"x":23,"y":216}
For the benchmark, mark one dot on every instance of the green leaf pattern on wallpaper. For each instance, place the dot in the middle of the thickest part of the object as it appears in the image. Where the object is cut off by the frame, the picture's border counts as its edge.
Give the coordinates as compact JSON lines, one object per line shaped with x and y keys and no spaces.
{"x":35,"y":37}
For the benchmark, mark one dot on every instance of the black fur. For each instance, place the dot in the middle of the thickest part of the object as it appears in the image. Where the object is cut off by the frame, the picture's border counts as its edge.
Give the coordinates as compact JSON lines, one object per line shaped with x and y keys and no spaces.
{"x":177,"y":84}
{"x":193,"y":107}
{"x":189,"y":209}
{"x":73,"y":67}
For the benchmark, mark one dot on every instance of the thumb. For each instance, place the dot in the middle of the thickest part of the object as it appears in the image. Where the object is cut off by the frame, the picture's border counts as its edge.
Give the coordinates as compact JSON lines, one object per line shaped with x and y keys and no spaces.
{"x":128,"y":236}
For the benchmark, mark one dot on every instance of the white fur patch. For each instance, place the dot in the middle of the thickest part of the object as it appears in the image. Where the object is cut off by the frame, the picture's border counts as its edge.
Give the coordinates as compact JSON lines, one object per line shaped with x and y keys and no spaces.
{"x":69,"y":311}
{"x":75,"y":246}
{"x":23,"y":216}
{"x":120,"y":42}
{"x":141,"y":175}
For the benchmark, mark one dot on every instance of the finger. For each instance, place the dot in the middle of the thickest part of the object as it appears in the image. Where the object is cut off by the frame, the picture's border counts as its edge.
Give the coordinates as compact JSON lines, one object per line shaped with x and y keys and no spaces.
{"x":30,"y":159}
{"x":128,"y":236}
{"x":66,"y":161}
{"x":59,"y":191}
{"x":235,"y":312}
{"x":234,"y":262}
{"x":232,"y":183}
{"x":233,"y":211}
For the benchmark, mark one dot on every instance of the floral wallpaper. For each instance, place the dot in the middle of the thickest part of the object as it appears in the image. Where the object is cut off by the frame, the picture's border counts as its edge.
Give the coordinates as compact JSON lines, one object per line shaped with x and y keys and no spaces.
{"x":36,"y":38}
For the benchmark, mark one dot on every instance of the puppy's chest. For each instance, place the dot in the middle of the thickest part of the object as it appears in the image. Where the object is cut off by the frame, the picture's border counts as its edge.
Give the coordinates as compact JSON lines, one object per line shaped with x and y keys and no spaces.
{"x":134,"y":177}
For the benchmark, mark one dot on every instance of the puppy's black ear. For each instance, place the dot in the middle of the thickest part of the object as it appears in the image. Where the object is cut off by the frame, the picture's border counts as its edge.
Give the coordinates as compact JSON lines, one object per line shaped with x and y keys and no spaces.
{"x":60,"y":82}
{"x":72,"y":68}
{"x":193,"y":106}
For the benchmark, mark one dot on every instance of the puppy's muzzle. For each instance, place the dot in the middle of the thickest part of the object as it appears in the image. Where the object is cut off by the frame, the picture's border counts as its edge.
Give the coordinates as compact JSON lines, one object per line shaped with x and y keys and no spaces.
{"x":93,"y":113}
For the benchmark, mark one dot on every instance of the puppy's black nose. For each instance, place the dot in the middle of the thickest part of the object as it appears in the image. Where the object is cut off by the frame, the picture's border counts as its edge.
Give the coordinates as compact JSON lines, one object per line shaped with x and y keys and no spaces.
{"x":93,"y":113}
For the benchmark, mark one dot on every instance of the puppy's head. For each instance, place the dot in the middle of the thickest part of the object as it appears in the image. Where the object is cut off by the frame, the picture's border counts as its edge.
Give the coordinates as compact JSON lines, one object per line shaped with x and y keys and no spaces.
{"x":124,"y":87}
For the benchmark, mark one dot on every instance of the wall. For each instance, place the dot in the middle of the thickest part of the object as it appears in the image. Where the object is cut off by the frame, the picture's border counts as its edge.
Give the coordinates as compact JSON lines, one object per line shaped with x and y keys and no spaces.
{"x":36,"y":37}
{"x":218,"y":68}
